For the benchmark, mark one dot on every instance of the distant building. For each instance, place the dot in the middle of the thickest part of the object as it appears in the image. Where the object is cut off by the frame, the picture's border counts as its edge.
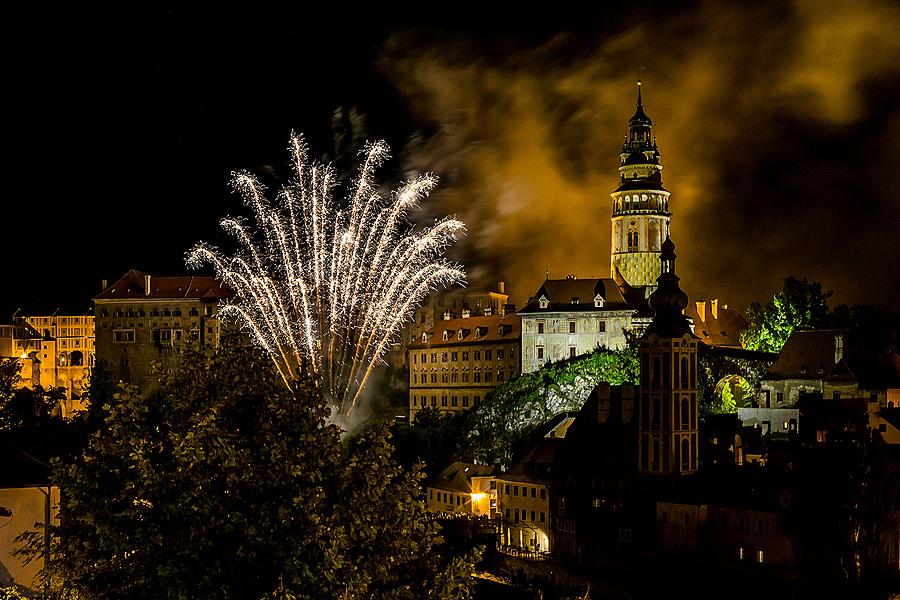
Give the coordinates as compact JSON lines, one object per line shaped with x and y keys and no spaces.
{"x":715,"y":324}
{"x":456,"y":304}
{"x":54,"y":351}
{"x":463,"y":488}
{"x":523,"y":494}
{"x":569,"y":317}
{"x":145,"y":320}
{"x":833,"y":363}
{"x":453,"y":366}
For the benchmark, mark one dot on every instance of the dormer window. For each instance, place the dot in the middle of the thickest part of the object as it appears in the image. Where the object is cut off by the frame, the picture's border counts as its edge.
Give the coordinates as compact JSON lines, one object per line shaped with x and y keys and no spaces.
{"x":598,"y":301}
{"x":574,"y":299}
{"x":447,"y":334}
{"x":480,"y":331}
{"x":459,"y":335}
{"x":544,"y":302}
{"x":424,"y":337}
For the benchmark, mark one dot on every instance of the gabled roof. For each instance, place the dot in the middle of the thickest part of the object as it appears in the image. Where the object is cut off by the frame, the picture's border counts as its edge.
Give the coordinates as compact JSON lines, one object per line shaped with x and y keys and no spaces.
{"x":490,"y":329}
{"x":810,"y":355}
{"x":131,"y":287}
{"x":573,"y":294}
{"x":458,"y":476}
{"x":722,"y":329}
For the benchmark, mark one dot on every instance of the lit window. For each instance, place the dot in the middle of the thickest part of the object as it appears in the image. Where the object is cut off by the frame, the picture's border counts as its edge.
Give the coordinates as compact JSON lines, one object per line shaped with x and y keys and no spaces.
{"x":759,"y":556}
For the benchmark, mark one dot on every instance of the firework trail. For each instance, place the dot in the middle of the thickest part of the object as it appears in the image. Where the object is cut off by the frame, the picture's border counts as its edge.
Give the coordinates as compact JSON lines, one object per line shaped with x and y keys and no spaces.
{"x":325,"y":285}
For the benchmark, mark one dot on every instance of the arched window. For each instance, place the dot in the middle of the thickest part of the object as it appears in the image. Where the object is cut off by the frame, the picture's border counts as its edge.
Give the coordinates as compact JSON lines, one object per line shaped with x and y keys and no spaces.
{"x":684,"y":372}
{"x":632,"y":236}
{"x":685,"y":455}
{"x":685,"y":414}
{"x":655,"y":458}
{"x":76,"y":359}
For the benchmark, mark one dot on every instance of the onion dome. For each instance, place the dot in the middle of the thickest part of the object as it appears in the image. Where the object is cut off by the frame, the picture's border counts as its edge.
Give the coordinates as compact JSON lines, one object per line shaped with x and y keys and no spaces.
{"x":668,"y":301}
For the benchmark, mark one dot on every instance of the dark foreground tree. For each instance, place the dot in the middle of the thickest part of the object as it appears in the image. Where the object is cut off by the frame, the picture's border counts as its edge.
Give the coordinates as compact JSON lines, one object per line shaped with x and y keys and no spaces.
{"x":798,"y":305}
{"x":225,"y":485}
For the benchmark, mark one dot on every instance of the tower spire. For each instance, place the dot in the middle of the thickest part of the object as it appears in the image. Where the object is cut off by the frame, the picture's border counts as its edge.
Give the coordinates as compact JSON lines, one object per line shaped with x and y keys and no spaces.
{"x":639,"y":103}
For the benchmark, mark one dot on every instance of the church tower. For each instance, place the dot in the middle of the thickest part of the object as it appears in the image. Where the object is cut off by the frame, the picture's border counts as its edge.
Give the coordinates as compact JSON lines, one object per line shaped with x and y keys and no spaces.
{"x":640,"y":205}
{"x":667,"y":426}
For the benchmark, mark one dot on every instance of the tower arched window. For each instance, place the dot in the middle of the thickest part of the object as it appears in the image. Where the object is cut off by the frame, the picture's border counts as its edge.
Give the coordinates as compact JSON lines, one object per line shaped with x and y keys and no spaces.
{"x":632,"y":236}
{"x":685,"y":455}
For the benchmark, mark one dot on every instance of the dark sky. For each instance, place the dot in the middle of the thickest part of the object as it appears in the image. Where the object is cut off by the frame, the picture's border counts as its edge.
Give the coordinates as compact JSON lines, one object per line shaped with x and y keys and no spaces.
{"x":779,"y":129}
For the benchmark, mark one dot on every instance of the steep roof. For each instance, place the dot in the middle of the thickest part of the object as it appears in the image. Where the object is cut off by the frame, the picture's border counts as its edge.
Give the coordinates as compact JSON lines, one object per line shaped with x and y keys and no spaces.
{"x":573,"y":294}
{"x":131,"y":287}
{"x":720,"y":329}
{"x":458,"y":476}
{"x":490,"y":329}
{"x":810,"y":355}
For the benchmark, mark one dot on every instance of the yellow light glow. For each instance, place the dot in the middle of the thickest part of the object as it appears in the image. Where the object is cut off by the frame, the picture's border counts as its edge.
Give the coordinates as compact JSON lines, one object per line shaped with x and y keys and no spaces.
{"x":478,"y":496}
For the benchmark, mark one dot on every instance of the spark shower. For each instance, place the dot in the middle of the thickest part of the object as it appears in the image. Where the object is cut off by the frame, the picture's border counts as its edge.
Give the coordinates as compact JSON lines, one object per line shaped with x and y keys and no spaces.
{"x":328,"y":285}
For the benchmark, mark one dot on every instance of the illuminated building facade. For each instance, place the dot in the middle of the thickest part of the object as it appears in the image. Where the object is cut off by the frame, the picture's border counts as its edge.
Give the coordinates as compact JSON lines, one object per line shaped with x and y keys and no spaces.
{"x":454,"y":366}
{"x":524,"y":493}
{"x":144,"y":319}
{"x":640,"y":206}
{"x":54,"y":351}
{"x":569,"y":317}
{"x":463,"y":488}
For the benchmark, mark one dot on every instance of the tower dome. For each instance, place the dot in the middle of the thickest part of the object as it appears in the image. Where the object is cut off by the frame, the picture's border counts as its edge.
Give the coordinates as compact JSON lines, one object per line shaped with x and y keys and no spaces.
{"x":640,"y":205}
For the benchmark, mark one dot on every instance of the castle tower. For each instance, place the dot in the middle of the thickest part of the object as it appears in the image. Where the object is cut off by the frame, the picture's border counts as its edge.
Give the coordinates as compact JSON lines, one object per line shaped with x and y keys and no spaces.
{"x":667,"y":409}
{"x":640,"y":206}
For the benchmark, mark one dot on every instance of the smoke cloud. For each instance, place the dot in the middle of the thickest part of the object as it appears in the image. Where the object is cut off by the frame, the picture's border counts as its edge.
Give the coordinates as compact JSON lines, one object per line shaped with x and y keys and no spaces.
{"x":778,"y":127}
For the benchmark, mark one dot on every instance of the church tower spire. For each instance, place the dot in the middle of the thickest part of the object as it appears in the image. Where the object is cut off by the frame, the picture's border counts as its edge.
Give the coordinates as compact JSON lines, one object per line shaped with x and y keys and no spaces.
{"x":640,"y":205}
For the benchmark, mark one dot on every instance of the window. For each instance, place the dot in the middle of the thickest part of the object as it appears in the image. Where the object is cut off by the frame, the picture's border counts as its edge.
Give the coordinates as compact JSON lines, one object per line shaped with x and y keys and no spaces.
{"x":533,"y":519}
{"x":477,"y":355}
{"x":465,"y":355}
{"x":443,"y":400}
{"x":465,"y":401}
{"x":453,"y":401}
{"x":515,"y":490}
{"x":602,"y":326}
{"x":540,"y":327}
{"x":507,"y":489}
{"x":534,"y":492}
{"x":454,"y":377}
{"x":415,"y":357}
{"x":571,"y":351}
{"x":476,"y":400}
{"x":543,"y":517}
{"x":123,"y":336}
{"x":544,"y":303}
{"x":571,"y":326}
{"x":488,"y":376}
{"x":487,"y":355}
{"x":500,"y":375}
{"x":540,"y":352}
{"x":477,"y":377}
{"x":759,"y":556}
{"x":500,"y":354}
{"x":434,"y":401}
{"x":632,"y":236}
{"x":454,"y":356}
{"x":543,"y":493}
{"x":465,"y":377}
{"x":443,"y":357}
{"x":434,"y":357}
{"x":741,"y":553}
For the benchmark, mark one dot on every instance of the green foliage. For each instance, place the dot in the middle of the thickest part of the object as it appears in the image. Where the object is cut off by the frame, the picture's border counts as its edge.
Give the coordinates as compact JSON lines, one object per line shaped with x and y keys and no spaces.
{"x":224,"y":484}
{"x":512,"y":409}
{"x":799,"y":305}
{"x":8,"y":593}
{"x":435,"y":438}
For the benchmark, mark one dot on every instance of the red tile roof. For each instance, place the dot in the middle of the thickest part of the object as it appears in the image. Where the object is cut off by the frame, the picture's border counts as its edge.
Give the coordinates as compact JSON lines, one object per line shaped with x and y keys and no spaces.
{"x":574,"y":294}
{"x":721,"y":330}
{"x":131,"y":287}
{"x":474,"y":330}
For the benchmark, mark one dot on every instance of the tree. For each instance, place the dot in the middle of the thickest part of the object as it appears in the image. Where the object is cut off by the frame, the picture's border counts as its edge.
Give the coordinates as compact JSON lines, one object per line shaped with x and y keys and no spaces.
{"x":224,"y":484}
{"x":519,"y":405}
{"x":799,"y":305}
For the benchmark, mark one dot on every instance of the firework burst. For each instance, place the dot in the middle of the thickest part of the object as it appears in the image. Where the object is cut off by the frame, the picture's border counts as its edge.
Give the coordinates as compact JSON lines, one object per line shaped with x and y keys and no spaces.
{"x":326,"y":284}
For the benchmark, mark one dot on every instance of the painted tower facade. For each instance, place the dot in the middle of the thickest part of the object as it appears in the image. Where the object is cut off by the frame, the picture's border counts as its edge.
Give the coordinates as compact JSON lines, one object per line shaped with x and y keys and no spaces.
{"x":640,"y":206}
{"x":668,"y":402}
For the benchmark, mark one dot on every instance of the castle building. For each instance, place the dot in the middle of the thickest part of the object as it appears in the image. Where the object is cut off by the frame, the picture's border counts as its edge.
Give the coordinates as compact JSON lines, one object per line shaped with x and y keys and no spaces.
{"x":54,"y":351}
{"x":569,"y":317}
{"x":640,"y":206}
{"x":668,"y":409}
{"x":453,"y":366}
{"x":145,"y":320}
{"x":463,"y":488}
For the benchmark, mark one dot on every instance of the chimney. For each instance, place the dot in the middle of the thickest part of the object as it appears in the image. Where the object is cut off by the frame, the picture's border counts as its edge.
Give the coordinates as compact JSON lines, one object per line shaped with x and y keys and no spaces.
{"x":146,"y":285}
{"x":701,"y":310}
{"x":488,"y":311}
{"x":501,"y":287}
{"x":103,"y":284}
{"x":446,"y":315}
{"x":838,"y":348}
{"x":466,"y":313}
{"x":714,"y":308}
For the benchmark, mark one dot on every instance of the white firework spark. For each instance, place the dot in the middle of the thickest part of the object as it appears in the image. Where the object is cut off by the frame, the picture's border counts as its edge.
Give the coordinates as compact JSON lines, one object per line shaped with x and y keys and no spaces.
{"x":328,"y":286}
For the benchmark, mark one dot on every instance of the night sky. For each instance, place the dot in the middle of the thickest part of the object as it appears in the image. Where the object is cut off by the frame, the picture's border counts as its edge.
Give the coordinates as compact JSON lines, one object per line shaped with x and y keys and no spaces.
{"x":778,"y":127}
